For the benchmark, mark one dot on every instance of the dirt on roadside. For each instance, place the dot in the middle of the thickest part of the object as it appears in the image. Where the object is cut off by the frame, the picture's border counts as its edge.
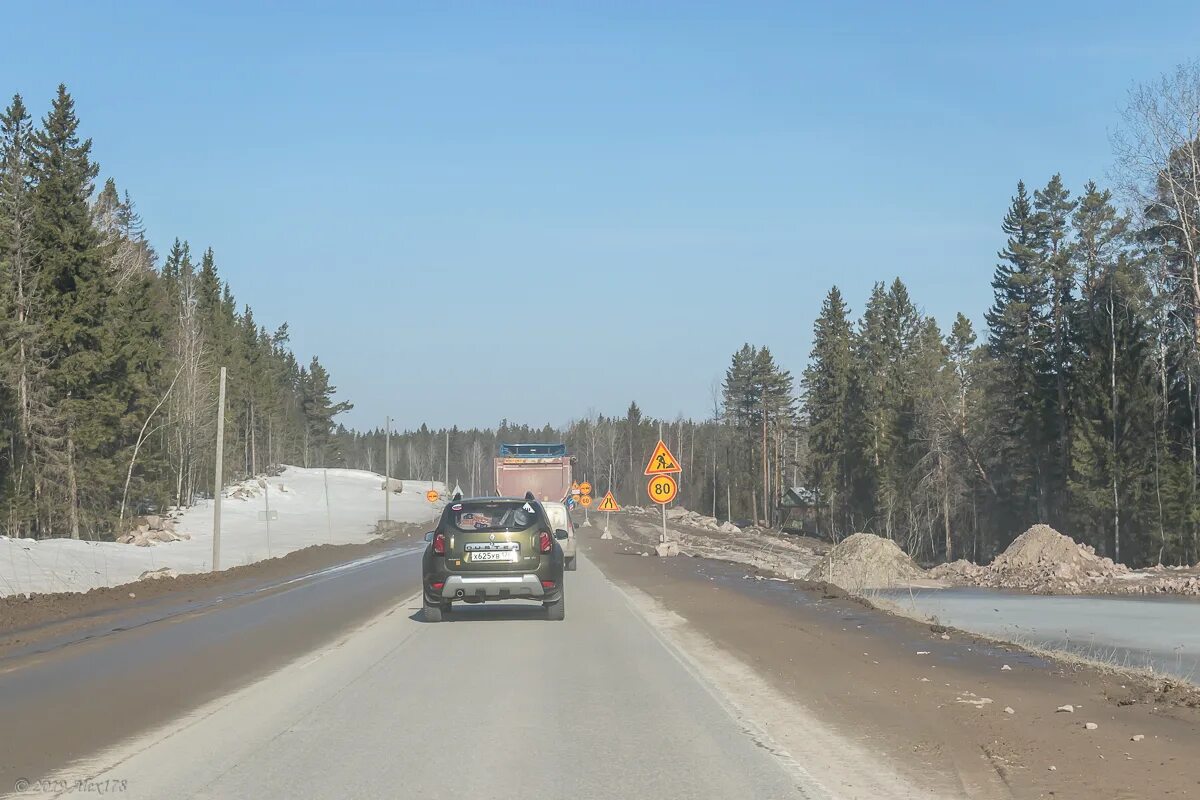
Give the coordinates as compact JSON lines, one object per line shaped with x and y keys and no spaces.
{"x":948,"y":708}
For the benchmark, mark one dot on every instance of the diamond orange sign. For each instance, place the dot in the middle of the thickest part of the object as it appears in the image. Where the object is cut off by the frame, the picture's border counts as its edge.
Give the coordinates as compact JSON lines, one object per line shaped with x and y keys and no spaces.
{"x":661,"y":461}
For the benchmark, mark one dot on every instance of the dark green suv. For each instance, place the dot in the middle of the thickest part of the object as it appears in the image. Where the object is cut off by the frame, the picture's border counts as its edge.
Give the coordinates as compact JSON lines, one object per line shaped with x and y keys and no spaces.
{"x":493,"y":548}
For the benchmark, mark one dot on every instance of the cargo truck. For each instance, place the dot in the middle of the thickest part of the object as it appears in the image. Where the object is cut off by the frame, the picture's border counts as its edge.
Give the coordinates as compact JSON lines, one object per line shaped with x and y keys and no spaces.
{"x":543,"y":469}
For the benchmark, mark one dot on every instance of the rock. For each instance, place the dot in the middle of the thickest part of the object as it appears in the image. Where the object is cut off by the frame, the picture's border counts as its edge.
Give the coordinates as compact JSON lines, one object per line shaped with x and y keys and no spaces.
{"x":131,"y":594}
{"x":154,"y":521}
{"x":161,"y":572}
{"x":1091,"y":726}
{"x":1053,"y":768}
{"x":667,"y":549}
{"x":606,"y":535}
{"x":645,"y":555}
{"x":1009,"y":710}
{"x":946,"y":636}
{"x":1006,"y":668}
{"x":1137,"y":737}
{"x":1068,"y":709}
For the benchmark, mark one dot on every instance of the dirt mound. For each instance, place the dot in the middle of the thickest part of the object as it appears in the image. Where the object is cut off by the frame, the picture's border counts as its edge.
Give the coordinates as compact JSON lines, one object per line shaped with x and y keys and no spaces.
{"x":958,"y":571}
{"x":1043,"y":560}
{"x":865,"y":561}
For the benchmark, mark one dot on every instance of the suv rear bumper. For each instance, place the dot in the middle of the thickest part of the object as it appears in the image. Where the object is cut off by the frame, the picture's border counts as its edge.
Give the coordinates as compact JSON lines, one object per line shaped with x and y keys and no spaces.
{"x":497,"y":587}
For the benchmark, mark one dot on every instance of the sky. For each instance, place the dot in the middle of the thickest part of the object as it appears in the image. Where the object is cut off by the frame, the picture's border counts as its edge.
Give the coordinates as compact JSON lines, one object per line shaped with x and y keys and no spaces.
{"x":536,"y":211}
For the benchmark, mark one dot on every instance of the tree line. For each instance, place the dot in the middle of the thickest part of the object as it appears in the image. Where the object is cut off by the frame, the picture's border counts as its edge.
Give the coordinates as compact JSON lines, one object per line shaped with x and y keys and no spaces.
{"x":1077,"y":404}
{"x":109,"y":362}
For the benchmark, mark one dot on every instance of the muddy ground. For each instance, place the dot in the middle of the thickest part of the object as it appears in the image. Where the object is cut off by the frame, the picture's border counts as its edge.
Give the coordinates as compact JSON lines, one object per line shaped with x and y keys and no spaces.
{"x":933,"y":704}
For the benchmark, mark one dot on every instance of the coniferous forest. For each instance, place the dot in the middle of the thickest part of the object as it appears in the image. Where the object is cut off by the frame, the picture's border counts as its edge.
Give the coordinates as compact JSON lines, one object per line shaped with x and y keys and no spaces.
{"x":1074,"y":399}
{"x":1076,"y":402}
{"x":109,"y":359}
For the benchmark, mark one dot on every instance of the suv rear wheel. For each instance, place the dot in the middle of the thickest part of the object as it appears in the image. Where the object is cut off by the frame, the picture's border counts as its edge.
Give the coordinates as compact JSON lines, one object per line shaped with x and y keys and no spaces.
{"x":434,"y":611}
{"x":557,"y":610}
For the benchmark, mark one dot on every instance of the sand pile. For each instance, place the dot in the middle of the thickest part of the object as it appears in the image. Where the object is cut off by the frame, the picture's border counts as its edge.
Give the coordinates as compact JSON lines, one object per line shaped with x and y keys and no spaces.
{"x":1041,"y":560}
{"x":865,"y":561}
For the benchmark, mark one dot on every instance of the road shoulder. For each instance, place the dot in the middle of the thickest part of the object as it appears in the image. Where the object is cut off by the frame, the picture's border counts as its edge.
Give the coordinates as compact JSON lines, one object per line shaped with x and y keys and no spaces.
{"x":936,"y":708}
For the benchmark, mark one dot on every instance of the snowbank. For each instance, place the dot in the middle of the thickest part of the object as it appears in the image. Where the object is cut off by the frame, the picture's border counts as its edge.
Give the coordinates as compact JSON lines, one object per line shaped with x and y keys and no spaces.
{"x":356,"y":503}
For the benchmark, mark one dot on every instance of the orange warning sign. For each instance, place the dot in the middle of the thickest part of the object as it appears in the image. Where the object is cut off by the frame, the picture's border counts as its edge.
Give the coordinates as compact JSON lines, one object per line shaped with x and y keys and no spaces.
{"x":661,"y":461}
{"x":662,"y":488}
{"x":609,"y":503}
{"x":585,"y":488}
{"x":585,"y":500}
{"x":432,"y":495}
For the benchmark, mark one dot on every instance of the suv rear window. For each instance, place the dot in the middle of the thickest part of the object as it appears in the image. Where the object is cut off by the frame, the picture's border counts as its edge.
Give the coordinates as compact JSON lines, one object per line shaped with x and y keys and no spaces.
{"x":498,"y":516}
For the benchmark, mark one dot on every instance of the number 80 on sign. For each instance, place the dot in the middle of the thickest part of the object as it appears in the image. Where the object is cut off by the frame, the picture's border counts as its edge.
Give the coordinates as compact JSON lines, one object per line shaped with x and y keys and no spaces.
{"x":662,"y":488}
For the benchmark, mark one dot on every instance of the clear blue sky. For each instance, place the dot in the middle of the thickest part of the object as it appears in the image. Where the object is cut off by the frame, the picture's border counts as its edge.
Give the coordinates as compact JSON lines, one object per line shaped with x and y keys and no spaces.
{"x":639,"y":188}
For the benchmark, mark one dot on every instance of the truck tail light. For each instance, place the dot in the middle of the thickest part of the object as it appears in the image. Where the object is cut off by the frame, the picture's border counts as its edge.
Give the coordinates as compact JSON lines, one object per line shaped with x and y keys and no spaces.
{"x":439,"y":544}
{"x":545,"y":542}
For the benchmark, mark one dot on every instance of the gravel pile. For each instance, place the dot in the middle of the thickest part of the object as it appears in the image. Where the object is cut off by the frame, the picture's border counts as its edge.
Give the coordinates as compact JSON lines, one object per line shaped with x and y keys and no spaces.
{"x":865,"y":561}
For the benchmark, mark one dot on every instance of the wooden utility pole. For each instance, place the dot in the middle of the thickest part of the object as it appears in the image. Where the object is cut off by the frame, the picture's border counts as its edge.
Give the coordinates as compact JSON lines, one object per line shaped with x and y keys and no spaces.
{"x":218,"y":479}
{"x":387,"y":470}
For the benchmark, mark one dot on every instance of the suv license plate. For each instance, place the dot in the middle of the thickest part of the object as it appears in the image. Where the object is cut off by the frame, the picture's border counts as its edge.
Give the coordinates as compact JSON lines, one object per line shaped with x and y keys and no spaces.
{"x":495,"y":555}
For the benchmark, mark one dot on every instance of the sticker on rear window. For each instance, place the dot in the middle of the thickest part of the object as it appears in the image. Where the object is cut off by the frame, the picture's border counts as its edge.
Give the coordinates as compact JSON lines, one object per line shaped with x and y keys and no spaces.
{"x":528,"y":508}
{"x":456,"y":507}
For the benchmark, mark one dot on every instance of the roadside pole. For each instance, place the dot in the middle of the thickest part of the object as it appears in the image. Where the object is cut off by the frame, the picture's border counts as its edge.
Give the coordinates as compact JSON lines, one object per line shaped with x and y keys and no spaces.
{"x":267,"y":501}
{"x":387,"y":470}
{"x":662,"y":487}
{"x":663,"y":506}
{"x":328,"y":511}
{"x":218,"y":479}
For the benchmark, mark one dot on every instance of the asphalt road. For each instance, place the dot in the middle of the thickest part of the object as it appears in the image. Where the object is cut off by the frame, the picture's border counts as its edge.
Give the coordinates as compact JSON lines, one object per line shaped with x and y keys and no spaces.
{"x":496,"y":702}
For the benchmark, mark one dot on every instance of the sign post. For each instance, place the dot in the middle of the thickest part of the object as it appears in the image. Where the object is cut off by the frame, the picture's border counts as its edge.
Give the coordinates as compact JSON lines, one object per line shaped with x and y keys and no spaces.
{"x":585,"y":500}
{"x":662,"y":488}
{"x":432,"y":496}
{"x":608,"y":505}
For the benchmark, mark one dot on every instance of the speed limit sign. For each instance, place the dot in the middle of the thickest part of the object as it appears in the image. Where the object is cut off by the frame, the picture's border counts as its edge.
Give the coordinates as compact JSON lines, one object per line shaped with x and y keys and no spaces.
{"x":662,"y":489}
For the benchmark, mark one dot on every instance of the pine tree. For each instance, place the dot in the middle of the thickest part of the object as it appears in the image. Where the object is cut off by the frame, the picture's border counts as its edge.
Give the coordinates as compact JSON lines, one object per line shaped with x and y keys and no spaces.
{"x":75,"y":290}
{"x":1052,"y":209}
{"x":21,"y":395}
{"x":1018,"y":341}
{"x":319,"y":411}
{"x":827,"y":383}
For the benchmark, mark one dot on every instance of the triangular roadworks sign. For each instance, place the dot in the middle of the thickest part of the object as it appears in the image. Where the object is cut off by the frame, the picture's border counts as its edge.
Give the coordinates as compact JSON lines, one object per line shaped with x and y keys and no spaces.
{"x":609,"y":503}
{"x":661,"y":461}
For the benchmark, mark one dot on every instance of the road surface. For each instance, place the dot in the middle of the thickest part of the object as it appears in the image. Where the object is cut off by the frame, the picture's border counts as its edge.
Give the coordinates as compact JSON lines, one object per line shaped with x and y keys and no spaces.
{"x":496,"y":702}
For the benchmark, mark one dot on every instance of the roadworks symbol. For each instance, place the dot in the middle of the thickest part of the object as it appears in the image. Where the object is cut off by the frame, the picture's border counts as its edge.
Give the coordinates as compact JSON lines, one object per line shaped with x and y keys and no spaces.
{"x":661,"y":461}
{"x":609,"y":503}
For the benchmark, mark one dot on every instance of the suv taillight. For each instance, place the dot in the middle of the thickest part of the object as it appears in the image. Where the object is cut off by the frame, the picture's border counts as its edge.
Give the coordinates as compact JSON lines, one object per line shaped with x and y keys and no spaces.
{"x":439,"y":544}
{"x":545,"y":542}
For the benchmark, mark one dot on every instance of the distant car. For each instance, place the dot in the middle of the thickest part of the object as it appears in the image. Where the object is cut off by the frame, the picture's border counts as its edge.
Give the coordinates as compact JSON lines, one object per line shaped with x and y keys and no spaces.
{"x":560,"y":518}
{"x":493,"y":548}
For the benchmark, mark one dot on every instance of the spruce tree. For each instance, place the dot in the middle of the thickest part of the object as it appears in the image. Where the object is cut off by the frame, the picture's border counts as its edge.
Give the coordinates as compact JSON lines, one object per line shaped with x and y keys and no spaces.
{"x":1018,"y":344}
{"x":827,"y":383}
{"x":75,"y":291}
